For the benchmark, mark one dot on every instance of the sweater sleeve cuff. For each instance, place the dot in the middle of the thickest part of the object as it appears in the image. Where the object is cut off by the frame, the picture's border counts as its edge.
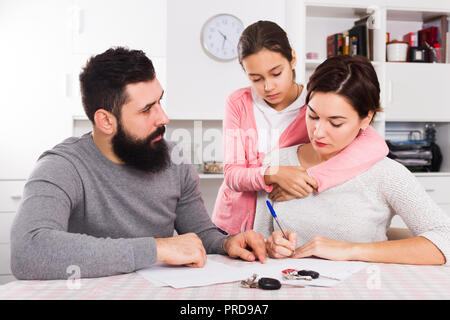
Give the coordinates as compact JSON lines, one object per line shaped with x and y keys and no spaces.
{"x":441,"y":243}
{"x":216,"y":247}
{"x":144,"y":252}
{"x":267,"y":188}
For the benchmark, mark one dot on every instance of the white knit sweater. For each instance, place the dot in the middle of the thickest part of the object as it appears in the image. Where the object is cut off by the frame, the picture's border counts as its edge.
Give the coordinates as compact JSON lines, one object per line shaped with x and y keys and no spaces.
{"x":359,"y":210}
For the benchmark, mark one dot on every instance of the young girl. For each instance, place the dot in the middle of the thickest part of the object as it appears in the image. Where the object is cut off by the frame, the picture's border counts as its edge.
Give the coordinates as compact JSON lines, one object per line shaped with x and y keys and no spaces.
{"x":268,"y":115}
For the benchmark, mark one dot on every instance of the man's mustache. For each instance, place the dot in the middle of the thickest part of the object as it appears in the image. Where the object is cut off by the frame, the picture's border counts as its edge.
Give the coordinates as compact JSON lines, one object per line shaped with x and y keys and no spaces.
{"x":158,"y":132}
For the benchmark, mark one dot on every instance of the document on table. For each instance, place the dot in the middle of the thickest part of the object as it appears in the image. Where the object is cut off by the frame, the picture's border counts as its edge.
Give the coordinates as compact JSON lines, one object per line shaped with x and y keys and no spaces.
{"x":213,"y":272}
{"x":222,"y":269}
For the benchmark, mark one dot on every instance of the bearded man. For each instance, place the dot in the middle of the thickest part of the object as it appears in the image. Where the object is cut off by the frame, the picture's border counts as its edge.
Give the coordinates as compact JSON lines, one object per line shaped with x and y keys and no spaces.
{"x":110,"y":201}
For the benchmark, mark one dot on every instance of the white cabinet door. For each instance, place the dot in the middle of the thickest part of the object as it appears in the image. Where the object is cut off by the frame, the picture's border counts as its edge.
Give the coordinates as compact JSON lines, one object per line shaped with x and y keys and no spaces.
{"x":11,"y":195}
{"x":437,"y":188}
{"x":137,"y":24}
{"x":446,"y":208}
{"x":101,"y":24}
{"x":417,"y":92}
{"x":6,"y":222}
{"x":5,"y":258}
{"x":34,"y":117}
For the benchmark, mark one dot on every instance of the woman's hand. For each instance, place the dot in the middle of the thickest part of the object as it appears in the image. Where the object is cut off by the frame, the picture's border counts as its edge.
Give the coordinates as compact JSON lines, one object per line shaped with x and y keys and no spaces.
{"x":293,"y":179}
{"x":326,"y":248}
{"x":278,"y":194}
{"x":278,"y":247}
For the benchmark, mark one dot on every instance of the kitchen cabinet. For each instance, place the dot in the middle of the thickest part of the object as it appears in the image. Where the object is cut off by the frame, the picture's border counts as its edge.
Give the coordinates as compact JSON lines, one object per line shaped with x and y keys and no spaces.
{"x":10,"y":197}
{"x":34,"y":117}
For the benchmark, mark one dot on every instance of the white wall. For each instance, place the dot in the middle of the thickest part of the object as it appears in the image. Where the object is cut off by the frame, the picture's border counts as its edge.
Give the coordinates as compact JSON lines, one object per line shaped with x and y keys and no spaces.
{"x":197,"y":85}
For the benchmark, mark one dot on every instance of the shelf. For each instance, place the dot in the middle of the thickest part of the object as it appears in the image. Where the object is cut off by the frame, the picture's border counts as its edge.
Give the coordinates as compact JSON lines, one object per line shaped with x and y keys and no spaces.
{"x":314,"y":63}
{"x":405,"y":119}
{"x":80,"y":117}
{"x":335,"y":11}
{"x":412,"y":15}
{"x":421,"y":64}
{"x":432,"y":174}
{"x":210,"y":175}
{"x":194,"y":119}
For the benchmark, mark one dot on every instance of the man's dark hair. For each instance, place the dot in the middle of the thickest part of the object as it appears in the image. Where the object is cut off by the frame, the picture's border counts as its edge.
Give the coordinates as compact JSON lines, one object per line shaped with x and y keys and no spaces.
{"x":105,"y":76}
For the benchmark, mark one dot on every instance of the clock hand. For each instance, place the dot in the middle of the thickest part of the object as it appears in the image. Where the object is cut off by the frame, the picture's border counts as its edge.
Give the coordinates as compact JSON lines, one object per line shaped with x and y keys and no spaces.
{"x":224,"y":36}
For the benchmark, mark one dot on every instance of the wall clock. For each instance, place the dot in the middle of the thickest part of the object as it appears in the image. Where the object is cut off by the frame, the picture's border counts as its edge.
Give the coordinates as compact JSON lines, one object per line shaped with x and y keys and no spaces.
{"x":220,"y":36}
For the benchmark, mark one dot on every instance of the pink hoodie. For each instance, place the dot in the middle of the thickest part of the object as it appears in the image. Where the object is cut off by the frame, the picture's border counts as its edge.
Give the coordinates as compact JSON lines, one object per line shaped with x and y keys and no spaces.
{"x":235,"y":205}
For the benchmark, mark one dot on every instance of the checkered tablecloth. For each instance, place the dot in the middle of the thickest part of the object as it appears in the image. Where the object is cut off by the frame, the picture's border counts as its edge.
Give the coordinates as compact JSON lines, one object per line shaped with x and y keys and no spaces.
{"x":378,"y":281}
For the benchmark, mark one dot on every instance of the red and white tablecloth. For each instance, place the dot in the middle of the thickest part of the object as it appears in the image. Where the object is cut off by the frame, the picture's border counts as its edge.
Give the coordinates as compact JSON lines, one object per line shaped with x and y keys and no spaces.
{"x":380,"y":282}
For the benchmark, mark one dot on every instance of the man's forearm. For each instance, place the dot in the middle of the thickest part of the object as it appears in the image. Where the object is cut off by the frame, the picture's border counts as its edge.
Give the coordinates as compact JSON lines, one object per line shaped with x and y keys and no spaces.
{"x":45,"y":254}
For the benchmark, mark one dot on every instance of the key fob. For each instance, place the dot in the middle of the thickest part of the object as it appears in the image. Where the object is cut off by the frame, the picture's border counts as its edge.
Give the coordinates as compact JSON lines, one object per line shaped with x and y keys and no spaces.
{"x":269,"y":284}
{"x":312,"y":274}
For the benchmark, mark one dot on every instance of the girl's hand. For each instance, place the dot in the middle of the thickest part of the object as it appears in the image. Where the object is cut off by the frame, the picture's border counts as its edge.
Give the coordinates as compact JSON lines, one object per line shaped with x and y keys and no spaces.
{"x":278,"y":247}
{"x":293,"y":179}
{"x":326,"y":248}
{"x":278,"y":194}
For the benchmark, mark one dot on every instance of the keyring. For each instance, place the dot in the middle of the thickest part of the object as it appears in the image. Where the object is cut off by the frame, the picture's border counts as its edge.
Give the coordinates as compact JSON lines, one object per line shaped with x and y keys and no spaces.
{"x":288,"y":271}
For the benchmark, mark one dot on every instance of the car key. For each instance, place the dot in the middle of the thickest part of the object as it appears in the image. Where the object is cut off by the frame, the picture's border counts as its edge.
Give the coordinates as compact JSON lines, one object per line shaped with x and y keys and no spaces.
{"x":263,"y":283}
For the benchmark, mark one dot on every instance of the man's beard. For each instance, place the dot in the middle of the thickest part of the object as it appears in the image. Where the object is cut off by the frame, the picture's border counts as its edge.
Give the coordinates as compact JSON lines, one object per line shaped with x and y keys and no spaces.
{"x":142,"y":154}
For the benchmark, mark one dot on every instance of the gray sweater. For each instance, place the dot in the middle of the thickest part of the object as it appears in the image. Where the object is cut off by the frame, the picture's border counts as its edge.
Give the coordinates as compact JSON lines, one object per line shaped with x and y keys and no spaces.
{"x":359,"y":210}
{"x":81,"y":209}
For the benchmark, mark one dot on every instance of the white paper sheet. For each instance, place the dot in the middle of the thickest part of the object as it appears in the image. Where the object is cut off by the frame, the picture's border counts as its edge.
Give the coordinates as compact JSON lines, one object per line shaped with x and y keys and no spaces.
{"x":272,"y":269}
{"x":222,"y":269}
{"x":182,"y":276}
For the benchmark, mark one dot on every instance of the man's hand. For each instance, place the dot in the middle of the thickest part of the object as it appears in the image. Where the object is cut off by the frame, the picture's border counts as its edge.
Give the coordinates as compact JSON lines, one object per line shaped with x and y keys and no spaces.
{"x":236,"y":246}
{"x":186,"y":249}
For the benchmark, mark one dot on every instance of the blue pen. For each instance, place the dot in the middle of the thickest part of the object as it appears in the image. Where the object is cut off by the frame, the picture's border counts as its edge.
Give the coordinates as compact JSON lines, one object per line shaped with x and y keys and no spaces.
{"x":275,"y":217}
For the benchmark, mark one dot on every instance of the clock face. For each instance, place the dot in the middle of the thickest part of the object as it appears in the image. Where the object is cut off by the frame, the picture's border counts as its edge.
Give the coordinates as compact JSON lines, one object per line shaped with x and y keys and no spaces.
{"x":220,"y":36}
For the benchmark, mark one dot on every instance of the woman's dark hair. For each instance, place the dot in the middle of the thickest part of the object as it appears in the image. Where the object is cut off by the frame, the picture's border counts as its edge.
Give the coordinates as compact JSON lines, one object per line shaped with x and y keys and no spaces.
{"x":352,"y":77}
{"x":264,"y":35}
{"x":105,"y":76}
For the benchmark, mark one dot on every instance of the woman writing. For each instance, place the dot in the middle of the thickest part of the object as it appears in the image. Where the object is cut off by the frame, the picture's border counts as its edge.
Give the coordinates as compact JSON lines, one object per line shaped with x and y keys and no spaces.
{"x":269,"y":115}
{"x":349,"y":221}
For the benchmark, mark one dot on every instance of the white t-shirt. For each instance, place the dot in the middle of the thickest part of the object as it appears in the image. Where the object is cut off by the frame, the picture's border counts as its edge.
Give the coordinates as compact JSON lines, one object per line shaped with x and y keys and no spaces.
{"x":271,"y":123}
